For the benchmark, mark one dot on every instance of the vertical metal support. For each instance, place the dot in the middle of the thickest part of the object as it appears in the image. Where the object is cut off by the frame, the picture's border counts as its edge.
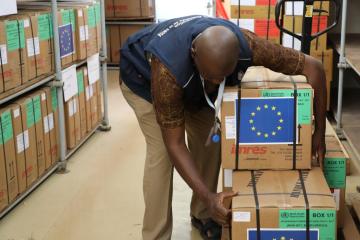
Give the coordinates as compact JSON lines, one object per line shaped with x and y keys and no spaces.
{"x":342,"y":65}
{"x":103,"y":59}
{"x":58,"y":77}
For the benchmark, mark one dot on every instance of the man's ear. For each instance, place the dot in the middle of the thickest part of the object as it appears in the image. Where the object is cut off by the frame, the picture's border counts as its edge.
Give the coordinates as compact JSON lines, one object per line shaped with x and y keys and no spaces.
{"x":193,"y":51}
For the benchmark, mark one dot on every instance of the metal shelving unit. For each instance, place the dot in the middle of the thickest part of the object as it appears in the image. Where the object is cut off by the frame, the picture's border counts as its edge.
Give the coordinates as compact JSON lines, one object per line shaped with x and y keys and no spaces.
{"x":55,"y":80}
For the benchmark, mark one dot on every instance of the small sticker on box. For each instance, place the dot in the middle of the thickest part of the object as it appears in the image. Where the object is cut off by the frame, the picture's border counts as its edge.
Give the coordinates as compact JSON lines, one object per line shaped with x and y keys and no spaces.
{"x":336,"y":196}
{"x":75,"y":105}
{"x":241,"y":216}
{"x":46,"y":124}
{"x":43,"y":97}
{"x":51,"y":121}
{"x":82,"y":33}
{"x":80,"y":13}
{"x":71,"y":108}
{"x":87,"y":93}
{"x":228,"y":177}
{"x":86,"y":32}
{"x":230,"y":96}
{"x":230,"y":127}
{"x":26,"y":23}
{"x":3,"y":59}
{"x":33,"y":46}
{"x":26,"y":139}
{"x":16,"y":113}
{"x":20,"y":143}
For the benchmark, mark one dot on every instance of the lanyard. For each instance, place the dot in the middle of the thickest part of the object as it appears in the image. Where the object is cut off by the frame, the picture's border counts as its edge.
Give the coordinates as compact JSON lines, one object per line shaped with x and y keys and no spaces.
{"x":213,"y":134}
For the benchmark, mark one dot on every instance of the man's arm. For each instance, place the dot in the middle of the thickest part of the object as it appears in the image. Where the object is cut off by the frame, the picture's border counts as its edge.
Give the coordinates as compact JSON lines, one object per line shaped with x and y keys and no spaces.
{"x":292,"y":62}
{"x":169,"y":109}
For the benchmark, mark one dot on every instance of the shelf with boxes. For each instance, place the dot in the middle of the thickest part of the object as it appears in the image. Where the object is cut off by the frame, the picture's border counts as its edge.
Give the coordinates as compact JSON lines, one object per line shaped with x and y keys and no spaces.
{"x":37,"y":115}
{"x":124,"y":18}
{"x":266,"y":158}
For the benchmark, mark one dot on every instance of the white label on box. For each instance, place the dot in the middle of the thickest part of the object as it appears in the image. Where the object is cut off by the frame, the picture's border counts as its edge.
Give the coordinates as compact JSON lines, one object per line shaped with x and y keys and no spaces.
{"x":70,"y":82}
{"x":26,"y":23}
{"x":16,"y":113}
{"x":80,"y":13}
{"x":288,"y":42}
{"x":43,"y":97}
{"x":75,"y":105}
{"x":86,"y":32}
{"x":228,"y":177}
{"x":82,"y":33}
{"x":20,"y":143}
{"x":230,"y":96}
{"x":26,"y":139}
{"x":336,"y":196}
{"x":3,"y":50}
{"x":248,"y":24}
{"x":33,"y":46}
{"x":297,"y":6}
{"x":51,"y":121}
{"x":230,"y":127}
{"x":93,"y":66}
{"x":87,"y":93}
{"x":243,"y":2}
{"x":46,"y":124}
{"x":71,"y":108}
{"x":241,"y":216}
{"x":8,"y":7}
{"x":91,"y":90}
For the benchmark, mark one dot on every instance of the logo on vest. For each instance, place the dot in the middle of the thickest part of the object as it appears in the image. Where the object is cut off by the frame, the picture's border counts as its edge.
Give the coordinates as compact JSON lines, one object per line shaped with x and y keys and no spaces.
{"x":177,"y":24}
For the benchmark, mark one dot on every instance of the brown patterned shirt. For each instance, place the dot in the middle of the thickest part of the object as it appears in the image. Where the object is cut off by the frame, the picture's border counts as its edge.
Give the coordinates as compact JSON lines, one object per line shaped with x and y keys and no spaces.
{"x":167,"y":95}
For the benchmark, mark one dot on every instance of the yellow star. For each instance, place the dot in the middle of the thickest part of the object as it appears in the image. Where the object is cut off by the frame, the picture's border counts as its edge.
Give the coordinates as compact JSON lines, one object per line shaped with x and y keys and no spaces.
{"x":273,"y":133}
{"x":266,"y":135}
{"x":279,"y":127}
{"x":281,"y":120}
{"x":258,"y":133}
{"x":251,"y":121}
{"x":253,"y":114}
{"x":253,"y":128}
{"x":273,"y":108}
{"x":258,"y":108}
{"x":279,"y":113}
{"x":266,"y":106}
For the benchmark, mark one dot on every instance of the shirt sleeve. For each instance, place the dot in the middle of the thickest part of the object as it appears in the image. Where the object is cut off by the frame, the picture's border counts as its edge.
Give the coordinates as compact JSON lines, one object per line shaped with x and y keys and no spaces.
{"x":274,"y":56}
{"x":167,"y":96}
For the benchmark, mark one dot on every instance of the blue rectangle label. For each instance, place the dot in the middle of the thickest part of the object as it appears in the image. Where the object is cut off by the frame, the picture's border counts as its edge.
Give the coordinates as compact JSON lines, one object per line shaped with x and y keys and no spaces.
{"x":282,"y":234}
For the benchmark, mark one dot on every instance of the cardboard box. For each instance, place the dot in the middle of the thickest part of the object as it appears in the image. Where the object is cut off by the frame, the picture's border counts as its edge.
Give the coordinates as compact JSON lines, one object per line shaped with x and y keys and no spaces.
{"x":99,"y":101}
{"x":297,"y":8}
{"x":29,"y":135}
{"x":52,"y":106}
{"x":70,"y":109}
{"x":118,"y":36}
{"x":88,"y":99}
{"x":282,"y":208}
{"x":82,"y":101}
{"x":77,"y":119}
{"x":10,"y":53}
{"x":10,"y":157}
{"x":3,"y":181}
{"x":294,"y":24}
{"x":257,"y":9}
{"x":94,"y":25}
{"x":326,"y":57}
{"x":93,"y":105}
{"x":39,"y":132}
{"x":81,"y":32}
{"x":263,"y":28}
{"x":19,"y":146}
{"x":267,"y":122}
{"x":46,"y":129}
{"x":67,"y":26}
{"x":130,"y":9}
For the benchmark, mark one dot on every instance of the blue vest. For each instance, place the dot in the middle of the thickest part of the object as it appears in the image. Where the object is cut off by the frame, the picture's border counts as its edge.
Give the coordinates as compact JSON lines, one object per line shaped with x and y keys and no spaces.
{"x":170,"y":42}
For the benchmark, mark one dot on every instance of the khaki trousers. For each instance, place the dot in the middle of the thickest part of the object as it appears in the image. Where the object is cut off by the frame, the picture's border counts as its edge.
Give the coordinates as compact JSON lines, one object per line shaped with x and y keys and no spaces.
{"x":158,"y":171}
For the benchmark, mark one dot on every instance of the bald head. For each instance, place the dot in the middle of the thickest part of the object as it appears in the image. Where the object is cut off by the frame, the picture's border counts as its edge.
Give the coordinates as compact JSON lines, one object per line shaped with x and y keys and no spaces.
{"x":215,"y":52}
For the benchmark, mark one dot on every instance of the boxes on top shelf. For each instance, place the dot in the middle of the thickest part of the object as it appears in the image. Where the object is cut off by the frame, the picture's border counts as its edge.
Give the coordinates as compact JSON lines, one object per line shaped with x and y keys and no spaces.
{"x":129,"y":9}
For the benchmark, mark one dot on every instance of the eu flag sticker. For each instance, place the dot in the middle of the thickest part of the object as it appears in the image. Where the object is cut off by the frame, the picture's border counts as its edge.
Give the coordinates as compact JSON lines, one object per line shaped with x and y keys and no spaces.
{"x":66,"y":40}
{"x":266,"y":120}
{"x":282,"y":234}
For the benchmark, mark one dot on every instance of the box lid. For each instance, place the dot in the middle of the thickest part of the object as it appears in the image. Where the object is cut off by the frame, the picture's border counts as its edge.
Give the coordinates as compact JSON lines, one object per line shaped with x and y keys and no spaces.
{"x":281,"y":189}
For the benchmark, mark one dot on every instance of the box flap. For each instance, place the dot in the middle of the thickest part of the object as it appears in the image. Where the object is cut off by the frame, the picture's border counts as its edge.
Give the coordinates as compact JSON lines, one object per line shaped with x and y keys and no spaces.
{"x":281,"y":189}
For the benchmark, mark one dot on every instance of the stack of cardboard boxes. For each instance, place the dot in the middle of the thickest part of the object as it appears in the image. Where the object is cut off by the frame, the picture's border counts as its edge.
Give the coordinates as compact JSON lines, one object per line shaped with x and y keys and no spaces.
{"x":124,"y":18}
{"x":293,"y":19}
{"x":29,"y":142}
{"x":257,"y":16}
{"x":266,"y":158}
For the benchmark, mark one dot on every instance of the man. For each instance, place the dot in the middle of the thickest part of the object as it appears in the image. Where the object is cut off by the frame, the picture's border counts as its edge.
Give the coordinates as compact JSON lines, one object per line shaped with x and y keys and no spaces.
{"x":171,"y":74}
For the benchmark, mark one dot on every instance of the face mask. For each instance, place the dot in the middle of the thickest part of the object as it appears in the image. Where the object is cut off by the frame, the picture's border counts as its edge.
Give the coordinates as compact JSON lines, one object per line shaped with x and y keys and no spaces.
{"x":214,"y":135}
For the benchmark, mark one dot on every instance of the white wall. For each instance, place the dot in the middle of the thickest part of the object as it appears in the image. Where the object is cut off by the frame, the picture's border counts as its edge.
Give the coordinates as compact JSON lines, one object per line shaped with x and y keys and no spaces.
{"x":167,"y":9}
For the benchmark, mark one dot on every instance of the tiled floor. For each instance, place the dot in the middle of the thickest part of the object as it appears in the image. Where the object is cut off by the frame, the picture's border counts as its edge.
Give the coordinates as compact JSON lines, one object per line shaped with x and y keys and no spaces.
{"x":101,"y":196}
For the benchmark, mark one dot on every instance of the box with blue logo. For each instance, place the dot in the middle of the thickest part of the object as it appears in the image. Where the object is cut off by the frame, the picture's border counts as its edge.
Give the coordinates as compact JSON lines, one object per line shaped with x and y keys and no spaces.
{"x":282,"y":205}
{"x":270,"y":127}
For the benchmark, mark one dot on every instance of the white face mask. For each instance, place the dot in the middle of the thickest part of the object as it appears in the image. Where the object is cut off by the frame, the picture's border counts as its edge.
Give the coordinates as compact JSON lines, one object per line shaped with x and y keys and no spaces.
{"x":213,"y":135}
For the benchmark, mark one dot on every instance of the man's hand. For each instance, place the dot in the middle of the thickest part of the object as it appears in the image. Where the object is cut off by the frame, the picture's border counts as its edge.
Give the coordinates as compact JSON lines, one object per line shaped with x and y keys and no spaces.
{"x":218,"y":212}
{"x":314,"y":71}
